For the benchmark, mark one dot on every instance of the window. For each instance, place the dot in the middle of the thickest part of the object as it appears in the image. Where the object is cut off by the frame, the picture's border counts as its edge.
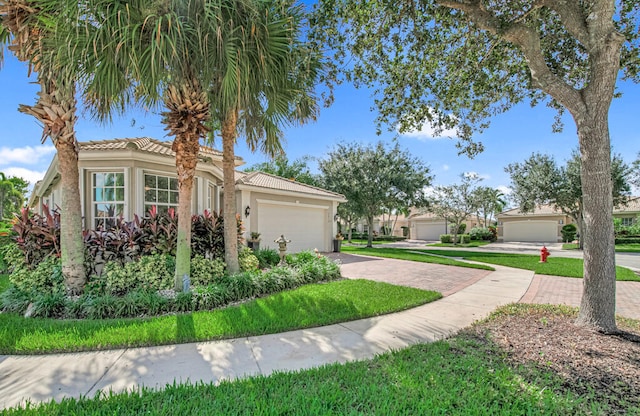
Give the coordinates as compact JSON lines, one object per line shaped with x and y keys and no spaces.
{"x":107,"y":196}
{"x":628,"y":221}
{"x":161,"y":192}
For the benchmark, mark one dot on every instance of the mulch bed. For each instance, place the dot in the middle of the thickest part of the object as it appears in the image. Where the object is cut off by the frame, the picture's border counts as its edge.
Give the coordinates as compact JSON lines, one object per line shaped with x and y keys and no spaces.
{"x":607,"y":367}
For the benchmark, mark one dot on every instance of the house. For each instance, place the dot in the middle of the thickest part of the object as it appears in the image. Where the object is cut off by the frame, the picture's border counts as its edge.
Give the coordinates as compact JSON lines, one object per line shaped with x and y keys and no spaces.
{"x":396,"y":225}
{"x":545,"y":223}
{"x":428,"y":226}
{"x":129,"y":176}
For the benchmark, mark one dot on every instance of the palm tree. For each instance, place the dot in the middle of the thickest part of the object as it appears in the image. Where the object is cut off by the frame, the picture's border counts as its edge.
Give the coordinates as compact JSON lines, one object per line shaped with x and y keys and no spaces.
{"x":263,"y":80}
{"x":26,"y":27}
{"x":9,"y":195}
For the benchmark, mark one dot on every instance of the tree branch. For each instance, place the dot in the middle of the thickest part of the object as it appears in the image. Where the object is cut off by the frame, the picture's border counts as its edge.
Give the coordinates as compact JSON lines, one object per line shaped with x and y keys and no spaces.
{"x":528,"y":41}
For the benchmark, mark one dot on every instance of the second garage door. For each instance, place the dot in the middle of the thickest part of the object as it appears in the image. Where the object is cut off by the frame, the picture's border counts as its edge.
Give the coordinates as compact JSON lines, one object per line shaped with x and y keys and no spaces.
{"x":539,"y":231}
{"x":430,"y":231}
{"x":304,"y":226}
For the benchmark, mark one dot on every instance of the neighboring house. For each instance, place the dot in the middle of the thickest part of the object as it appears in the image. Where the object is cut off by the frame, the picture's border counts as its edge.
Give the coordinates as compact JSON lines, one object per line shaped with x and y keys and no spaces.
{"x":396,"y":225}
{"x":428,"y":226}
{"x":129,"y":176}
{"x":545,"y":223}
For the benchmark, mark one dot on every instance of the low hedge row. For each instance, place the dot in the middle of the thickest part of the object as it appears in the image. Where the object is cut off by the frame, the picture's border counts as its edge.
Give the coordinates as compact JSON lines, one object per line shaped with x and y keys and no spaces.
{"x":460,"y":238}
{"x":627,"y":240}
{"x":303,"y":268}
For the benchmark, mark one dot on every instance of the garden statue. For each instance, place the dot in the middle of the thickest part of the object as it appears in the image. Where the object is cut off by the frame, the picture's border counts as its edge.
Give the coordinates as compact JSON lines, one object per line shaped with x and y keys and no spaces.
{"x":282,"y":247}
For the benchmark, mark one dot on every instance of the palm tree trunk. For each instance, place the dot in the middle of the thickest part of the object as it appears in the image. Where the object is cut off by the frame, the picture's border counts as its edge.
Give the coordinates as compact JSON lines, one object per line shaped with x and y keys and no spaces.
{"x":229,"y":196}
{"x":56,"y":109}
{"x":187,"y":147}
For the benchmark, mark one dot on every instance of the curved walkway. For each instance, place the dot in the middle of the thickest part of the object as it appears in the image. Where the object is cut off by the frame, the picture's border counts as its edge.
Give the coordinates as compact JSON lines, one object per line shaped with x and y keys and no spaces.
{"x":42,"y":378}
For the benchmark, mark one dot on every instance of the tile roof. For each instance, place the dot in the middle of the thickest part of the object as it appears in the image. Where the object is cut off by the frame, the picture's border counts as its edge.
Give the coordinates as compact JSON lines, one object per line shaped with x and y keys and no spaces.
{"x":144,"y":144}
{"x":544,"y":209}
{"x":633,"y":205}
{"x":266,"y":180}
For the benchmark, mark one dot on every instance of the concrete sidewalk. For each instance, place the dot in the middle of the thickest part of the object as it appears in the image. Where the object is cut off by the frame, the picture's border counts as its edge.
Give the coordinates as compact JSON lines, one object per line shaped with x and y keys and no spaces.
{"x":42,"y":378}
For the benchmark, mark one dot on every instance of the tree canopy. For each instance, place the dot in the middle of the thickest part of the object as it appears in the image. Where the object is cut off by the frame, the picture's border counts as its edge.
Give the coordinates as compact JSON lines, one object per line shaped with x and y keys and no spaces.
{"x":540,"y":180}
{"x":375,"y":178}
{"x":455,"y":203}
{"x":297,"y":170}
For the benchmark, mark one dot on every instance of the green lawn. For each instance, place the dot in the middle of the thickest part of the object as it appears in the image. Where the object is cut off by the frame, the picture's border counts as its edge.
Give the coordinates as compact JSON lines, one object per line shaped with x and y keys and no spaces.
{"x":464,"y":375}
{"x":308,"y":306}
{"x":403,"y":254}
{"x":474,"y":243}
{"x":360,"y":241}
{"x":620,"y":248}
{"x":628,"y":248}
{"x":555,"y":266}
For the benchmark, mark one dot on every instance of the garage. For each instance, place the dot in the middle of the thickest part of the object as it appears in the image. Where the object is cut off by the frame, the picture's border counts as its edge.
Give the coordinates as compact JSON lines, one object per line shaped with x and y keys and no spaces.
{"x":538,"y":231}
{"x":304,"y":225}
{"x":429,"y":231}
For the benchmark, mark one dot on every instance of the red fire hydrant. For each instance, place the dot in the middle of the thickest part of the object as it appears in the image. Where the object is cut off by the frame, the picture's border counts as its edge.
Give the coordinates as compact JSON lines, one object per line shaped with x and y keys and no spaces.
{"x":544,"y":253}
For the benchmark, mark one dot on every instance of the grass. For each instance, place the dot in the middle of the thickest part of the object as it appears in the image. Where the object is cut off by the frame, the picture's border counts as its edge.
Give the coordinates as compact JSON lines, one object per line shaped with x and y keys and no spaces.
{"x":403,"y":254}
{"x":308,"y":306}
{"x":628,"y":248}
{"x":620,"y":248}
{"x":555,"y":266}
{"x":465,"y":374}
{"x":360,"y":241}
{"x":473,"y":243}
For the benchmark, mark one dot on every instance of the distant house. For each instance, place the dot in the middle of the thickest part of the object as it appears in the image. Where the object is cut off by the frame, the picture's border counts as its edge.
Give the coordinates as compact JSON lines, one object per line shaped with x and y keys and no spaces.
{"x":428,"y":226}
{"x":545,"y":223}
{"x":129,"y":176}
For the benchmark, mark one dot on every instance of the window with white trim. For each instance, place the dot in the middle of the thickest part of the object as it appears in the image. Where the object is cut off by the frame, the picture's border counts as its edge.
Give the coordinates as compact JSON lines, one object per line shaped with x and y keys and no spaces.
{"x":627,"y":221}
{"x":161,"y":192}
{"x":107,"y":198}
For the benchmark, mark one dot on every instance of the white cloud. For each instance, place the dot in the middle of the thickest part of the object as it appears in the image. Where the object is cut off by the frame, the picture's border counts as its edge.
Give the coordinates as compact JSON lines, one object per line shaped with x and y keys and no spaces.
{"x":445,"y":167}
{"x":504,"y":189}
{"x":28,"y":155}
{"x":471,"y":174}
{"x":32,"y":176}
{"x":428,"y":132}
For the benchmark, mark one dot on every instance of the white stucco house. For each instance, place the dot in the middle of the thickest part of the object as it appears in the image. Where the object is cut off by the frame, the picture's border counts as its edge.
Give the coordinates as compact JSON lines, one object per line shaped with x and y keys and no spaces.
{"x":129,"y":176}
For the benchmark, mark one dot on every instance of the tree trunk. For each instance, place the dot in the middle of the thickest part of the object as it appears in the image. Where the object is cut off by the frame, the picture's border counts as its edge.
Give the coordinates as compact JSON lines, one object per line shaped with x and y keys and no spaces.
{"x":598,"y":305}
{"x":71,"y":243}
{"x":349,"y":232}
{"x":186,"y":146}
{"x":370,"y":236}
{"x":229,"y":196}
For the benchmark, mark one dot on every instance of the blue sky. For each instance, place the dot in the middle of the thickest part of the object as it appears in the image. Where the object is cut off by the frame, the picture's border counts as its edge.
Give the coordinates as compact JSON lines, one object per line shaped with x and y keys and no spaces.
{"x":512,"y":136}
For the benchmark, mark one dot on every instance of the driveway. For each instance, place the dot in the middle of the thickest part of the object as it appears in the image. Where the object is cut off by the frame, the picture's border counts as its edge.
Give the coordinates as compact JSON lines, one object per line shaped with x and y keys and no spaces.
{"x":444,"y":279}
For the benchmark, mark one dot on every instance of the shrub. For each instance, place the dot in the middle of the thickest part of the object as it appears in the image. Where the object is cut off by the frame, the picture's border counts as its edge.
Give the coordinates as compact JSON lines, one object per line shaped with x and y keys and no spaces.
{"x":205,"y":271}
{"x":45,"y":278}
{"x":50,"y":305}
{"x":446,"y":238}
{"x":479,"y":233}
{"x":102,"y":307}
{"x":11,"y":258}
{"x":154,"y":272}
{"x":627,"y":240}
{"x":248,"y":261}
{"x":460,"y":238}
{"x":569,"y":232}
{"x":209,"y":297}
{"x":14,"y":300}
{"x":279,"y":278}
{"x":184,"y":302}
{"x":267,"y":257}
{"x":494,"y":232}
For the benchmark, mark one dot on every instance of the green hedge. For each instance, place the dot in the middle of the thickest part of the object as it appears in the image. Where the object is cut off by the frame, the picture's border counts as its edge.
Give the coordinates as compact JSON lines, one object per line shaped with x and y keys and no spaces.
{"x":627,"y":240}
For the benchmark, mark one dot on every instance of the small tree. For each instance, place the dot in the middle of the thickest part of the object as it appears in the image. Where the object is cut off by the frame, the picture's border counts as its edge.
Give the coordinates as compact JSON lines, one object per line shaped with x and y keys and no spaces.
{"x":454,"y":203}
{"x":372,"y":178}
{"x":540,"y":180}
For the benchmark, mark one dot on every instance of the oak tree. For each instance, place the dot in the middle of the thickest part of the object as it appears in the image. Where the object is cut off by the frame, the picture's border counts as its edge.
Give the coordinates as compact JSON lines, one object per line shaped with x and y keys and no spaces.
{"x":457,"y":63}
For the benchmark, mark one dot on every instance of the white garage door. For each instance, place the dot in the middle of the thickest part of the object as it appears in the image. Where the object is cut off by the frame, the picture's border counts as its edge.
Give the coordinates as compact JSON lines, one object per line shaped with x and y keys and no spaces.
{"x":542,"y":231}
{"x":304,"y":226}
{"x":430,"y":231}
